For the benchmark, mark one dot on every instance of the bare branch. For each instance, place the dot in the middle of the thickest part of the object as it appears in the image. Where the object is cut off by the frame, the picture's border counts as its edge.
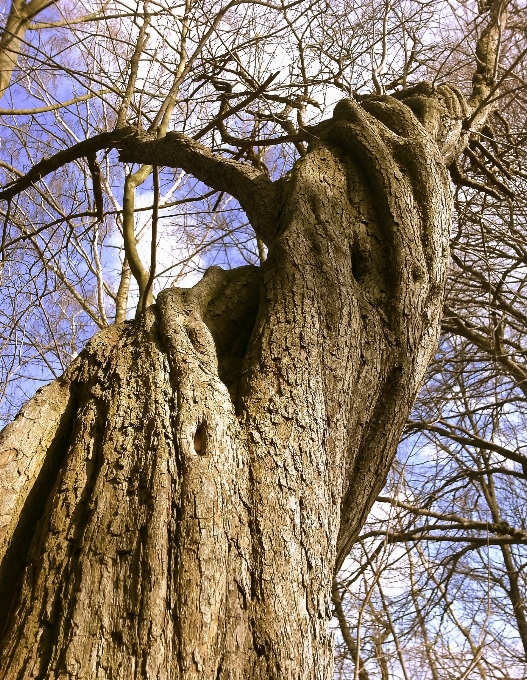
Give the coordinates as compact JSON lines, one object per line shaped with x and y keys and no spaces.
{"x":257,"y":194}
{"x":52,"y":107}
{"x":106,"y":140}
{"x":18,"y":20}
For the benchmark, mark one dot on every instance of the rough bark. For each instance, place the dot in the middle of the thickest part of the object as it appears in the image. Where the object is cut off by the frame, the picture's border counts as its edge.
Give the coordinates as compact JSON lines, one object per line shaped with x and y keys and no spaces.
{"x":177,"y":504}
{"x":223,"y":450}
{"x":141,"y":554}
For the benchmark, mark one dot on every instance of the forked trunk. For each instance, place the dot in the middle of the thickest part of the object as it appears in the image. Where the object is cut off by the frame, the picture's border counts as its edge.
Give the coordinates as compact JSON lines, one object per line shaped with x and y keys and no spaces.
{"x":208,"y":466}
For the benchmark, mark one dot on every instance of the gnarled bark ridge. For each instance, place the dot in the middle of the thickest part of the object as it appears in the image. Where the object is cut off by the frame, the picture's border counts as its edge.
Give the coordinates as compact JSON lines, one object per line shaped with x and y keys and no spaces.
{"x":220,"y":454}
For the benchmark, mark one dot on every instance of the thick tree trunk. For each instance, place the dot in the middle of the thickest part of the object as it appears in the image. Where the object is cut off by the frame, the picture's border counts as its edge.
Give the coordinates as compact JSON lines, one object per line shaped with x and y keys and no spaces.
{"x":212,"y":462}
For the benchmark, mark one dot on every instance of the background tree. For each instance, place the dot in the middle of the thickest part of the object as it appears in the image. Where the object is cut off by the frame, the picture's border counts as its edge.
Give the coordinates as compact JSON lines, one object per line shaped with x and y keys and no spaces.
{"x":168,"y":526}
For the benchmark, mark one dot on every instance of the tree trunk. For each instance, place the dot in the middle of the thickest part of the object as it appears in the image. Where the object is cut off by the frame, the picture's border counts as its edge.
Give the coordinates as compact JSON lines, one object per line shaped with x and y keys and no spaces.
{"x":214,"y":460}
{"x":18,"y":20}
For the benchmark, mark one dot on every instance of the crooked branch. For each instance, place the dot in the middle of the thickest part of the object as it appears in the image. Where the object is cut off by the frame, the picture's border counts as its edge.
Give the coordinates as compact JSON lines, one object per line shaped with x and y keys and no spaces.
{"x":257,"y":194}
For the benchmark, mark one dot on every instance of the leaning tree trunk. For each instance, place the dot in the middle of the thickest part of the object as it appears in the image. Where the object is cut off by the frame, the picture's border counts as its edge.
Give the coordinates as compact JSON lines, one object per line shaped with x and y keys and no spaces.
{"x":199,"y":474}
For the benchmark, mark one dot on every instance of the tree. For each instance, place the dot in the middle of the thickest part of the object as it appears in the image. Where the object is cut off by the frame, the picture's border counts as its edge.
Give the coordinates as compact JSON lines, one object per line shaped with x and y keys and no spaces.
{"x":441,"y":556}
{"x":179,"y":500}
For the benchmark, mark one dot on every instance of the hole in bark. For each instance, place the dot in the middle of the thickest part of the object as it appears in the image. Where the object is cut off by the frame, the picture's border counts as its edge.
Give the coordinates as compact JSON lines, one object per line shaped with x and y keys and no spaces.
{"x":418,"y":273}
{"x":359,"y":264}
{"x":199,"y":440}
{"x":117,"y":637}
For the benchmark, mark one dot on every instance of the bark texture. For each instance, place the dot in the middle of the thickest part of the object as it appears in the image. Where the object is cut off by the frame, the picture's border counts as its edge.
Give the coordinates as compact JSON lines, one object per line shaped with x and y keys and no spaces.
{"x":222,"y":452}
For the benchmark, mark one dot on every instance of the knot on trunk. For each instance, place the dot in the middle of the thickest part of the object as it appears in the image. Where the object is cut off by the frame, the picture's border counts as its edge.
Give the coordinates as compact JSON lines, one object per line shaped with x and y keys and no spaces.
{"x":409,"y":184}
{"x":442,"y":111}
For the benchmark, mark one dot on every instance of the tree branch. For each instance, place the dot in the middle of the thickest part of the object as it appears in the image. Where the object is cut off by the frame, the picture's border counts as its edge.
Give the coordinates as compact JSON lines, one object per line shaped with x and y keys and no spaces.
{"x":18,"y":19}
{"x":148,"y":297}
{"x":472,"y":440}
{"x":106,"y":140}
{"x":257,"y":194}
{"x":403,"y":537}
{"x":454,"y":324}
{"x":501,"y":528}
{"x":462,"y":180}
{"x":346,"y":633}
{"x":487,"y":59}
{"x":52,"y":107}
{"x":488,"y":173}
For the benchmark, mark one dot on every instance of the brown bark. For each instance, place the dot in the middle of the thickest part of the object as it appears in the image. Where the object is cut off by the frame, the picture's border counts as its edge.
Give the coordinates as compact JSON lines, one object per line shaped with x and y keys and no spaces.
{"x":30,"y":455}
{"x":177,"y":504}
{"x":141,"y":555}
{"x":225,"y":448}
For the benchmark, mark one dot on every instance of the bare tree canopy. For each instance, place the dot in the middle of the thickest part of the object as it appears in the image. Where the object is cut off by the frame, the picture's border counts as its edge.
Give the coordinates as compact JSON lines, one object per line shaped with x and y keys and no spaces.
{"x":273,"y":191}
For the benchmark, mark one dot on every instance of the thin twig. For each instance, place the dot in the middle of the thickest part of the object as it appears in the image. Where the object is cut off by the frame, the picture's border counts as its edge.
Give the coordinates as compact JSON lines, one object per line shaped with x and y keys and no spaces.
{"x":153,"y":247}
